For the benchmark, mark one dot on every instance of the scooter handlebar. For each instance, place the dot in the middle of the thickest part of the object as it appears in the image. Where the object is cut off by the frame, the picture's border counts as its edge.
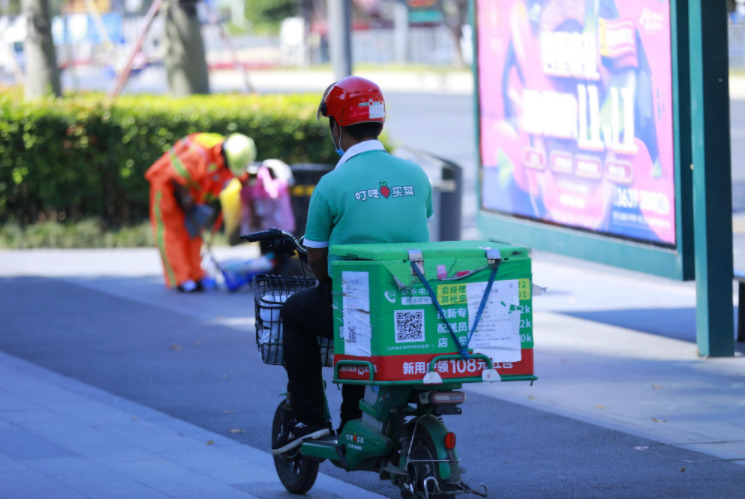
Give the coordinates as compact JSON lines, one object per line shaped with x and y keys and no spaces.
{"x":265,"y":235}
{"x":277,"y":239}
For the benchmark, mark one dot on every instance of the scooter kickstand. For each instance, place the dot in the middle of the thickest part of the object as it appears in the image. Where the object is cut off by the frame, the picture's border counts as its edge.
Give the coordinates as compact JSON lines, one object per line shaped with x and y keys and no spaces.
{"x":477,"y":491}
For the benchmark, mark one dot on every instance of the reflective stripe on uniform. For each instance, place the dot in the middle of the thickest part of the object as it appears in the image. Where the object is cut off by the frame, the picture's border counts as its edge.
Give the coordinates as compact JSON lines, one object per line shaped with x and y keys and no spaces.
{"x":160,"y":240}
{"x":202,"y":141}
{"x":181,"y":170}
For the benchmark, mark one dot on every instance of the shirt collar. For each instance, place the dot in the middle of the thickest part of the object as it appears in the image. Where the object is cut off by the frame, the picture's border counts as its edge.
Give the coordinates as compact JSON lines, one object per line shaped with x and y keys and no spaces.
{"x":366,"y":146}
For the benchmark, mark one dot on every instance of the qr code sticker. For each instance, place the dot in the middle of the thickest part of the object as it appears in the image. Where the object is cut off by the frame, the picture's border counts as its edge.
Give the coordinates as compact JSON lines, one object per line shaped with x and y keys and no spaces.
{"x":409,"y":325}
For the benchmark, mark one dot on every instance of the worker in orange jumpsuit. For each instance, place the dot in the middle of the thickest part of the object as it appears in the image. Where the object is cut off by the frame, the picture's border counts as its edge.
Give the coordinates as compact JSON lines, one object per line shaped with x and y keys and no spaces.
{"x":186,"y":178}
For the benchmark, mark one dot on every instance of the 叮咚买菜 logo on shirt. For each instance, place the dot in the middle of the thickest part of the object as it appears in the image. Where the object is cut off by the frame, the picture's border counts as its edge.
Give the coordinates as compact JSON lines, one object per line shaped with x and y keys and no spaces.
{"x":384,"y":191}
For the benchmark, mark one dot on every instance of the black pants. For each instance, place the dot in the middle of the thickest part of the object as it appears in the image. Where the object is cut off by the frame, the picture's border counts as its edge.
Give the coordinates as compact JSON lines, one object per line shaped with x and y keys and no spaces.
{"x":307,"y":315}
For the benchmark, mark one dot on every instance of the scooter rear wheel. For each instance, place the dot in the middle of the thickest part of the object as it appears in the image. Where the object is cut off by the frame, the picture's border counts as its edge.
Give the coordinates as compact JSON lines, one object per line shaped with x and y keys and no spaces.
{"x":423,"y":471}
{"x":297,"y":473}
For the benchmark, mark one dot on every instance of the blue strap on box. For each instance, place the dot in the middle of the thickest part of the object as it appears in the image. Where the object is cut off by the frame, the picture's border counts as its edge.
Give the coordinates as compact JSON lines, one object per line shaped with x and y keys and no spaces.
{"x":417,"y":266}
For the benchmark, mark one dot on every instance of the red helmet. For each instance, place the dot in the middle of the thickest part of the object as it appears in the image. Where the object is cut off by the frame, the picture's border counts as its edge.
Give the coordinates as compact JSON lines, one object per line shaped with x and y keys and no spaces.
{"x":353,"y":100}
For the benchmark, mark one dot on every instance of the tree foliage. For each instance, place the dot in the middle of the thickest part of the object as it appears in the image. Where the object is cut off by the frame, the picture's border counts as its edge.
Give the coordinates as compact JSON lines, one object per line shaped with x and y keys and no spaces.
{"x":83,"y":156}
{"x":270,"y":13}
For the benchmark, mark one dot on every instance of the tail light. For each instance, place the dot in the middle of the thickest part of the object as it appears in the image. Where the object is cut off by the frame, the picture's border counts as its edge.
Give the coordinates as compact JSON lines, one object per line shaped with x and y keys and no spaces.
{"x":450,"y":440}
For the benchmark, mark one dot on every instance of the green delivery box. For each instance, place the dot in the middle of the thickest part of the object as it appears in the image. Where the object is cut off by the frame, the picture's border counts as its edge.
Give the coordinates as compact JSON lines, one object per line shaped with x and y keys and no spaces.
{"x":386,"y":314}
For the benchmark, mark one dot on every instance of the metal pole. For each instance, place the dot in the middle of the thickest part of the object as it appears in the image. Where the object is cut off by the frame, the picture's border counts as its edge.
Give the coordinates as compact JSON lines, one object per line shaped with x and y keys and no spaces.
{"x":121,"y":80}
{"x":307,"y":19}
{"x":239,"y":66}
{"x":401,"y":32}
{"x":712,"y":177}
{"x":340,"y":37}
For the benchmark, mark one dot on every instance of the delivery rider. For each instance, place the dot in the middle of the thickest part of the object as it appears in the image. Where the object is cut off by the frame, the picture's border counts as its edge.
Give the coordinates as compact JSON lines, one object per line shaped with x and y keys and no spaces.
{"x":369,"y":197}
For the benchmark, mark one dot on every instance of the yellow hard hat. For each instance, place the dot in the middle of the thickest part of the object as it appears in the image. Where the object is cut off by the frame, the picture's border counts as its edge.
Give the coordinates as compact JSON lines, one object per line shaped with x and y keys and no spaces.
{"x":240,"y":150}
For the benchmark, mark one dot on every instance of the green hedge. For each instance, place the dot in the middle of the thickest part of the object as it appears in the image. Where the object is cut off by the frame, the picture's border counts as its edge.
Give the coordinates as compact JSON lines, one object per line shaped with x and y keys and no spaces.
{"x":85,"y":156}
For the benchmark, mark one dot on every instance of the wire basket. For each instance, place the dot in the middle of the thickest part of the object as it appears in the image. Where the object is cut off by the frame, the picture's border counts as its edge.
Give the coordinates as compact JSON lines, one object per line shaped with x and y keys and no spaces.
{"x":270,"y":293}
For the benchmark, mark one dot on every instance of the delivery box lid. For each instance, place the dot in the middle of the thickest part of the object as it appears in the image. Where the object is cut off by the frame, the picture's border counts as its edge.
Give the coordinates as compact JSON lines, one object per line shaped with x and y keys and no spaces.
{"x":432,"y":249}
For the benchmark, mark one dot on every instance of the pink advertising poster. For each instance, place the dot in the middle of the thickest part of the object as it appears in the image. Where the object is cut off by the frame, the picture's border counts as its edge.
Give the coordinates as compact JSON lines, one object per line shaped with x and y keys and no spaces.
{"x":576,"y":124}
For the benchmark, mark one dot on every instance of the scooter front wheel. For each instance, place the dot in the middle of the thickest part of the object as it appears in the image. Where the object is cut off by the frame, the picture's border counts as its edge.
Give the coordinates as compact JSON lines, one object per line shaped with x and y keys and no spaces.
{"x":297,"y":473}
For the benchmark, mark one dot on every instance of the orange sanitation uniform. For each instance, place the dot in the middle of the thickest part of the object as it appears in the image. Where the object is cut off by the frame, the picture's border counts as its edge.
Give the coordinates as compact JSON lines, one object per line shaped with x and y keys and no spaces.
{"x":196,"y":162}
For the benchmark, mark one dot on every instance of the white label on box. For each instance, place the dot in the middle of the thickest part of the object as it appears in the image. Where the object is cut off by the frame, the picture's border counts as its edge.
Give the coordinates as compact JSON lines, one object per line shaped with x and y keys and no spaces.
{"x":498,"y":332}
{"x":357,"y":330}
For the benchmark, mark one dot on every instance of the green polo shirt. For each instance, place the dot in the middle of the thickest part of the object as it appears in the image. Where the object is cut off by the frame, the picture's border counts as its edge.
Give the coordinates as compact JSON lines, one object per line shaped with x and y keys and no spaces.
{"x":370,"y":197}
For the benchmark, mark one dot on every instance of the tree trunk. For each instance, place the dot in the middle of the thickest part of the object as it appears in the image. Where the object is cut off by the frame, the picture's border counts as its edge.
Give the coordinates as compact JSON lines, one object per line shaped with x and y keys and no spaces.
{"x":185,"y":59}
{"x":42,"y":73}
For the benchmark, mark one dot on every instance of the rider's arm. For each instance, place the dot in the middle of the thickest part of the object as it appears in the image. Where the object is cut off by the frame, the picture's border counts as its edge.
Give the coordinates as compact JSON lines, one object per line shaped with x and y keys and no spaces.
{"x":318,"y":261}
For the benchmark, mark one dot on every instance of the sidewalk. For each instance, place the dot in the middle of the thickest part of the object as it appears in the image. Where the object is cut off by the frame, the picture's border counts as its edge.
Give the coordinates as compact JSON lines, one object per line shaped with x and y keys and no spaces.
{"x":60,"y":438}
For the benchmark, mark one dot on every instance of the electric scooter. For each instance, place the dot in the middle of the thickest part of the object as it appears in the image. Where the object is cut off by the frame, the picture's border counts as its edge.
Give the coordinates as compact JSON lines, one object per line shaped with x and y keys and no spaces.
{"x":401,"y":435}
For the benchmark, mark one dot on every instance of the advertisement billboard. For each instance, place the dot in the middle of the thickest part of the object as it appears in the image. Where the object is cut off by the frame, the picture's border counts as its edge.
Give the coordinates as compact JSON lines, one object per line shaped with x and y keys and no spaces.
{"x":576,"y":115}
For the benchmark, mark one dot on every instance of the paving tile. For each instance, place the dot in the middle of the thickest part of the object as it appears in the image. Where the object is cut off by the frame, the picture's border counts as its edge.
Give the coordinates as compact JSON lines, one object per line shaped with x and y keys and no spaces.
{"x":113,"y":453}
{"x":133,"y":409}
{"x":29,"y":418}
{"x":12,"y":402}
{"x":89,"y":412}
{"x":90,"y":442}
{"x":151,"y":437}
{"x":268,"y":490}
{"x":9,"y":465}
{"x":192,"y":431}
{"x":176,"y":480}
{"x":223,"y":493}
{"x":64,"y":465}
{"x":58,"y":428}
{"x":108,"y":484}
{"x":6,"y":425}
{"x":40,"y":391}
{"x":222,"y":466}
{"x":23,"y":483}
{"x":256,"y":456}
{"x":17,"y":443}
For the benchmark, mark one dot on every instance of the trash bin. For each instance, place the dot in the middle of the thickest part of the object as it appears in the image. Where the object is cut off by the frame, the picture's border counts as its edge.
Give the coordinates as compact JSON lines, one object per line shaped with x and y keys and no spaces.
{"x":306,"y":177}
{"x":447,"y":192}
{"x":450,"y":190}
